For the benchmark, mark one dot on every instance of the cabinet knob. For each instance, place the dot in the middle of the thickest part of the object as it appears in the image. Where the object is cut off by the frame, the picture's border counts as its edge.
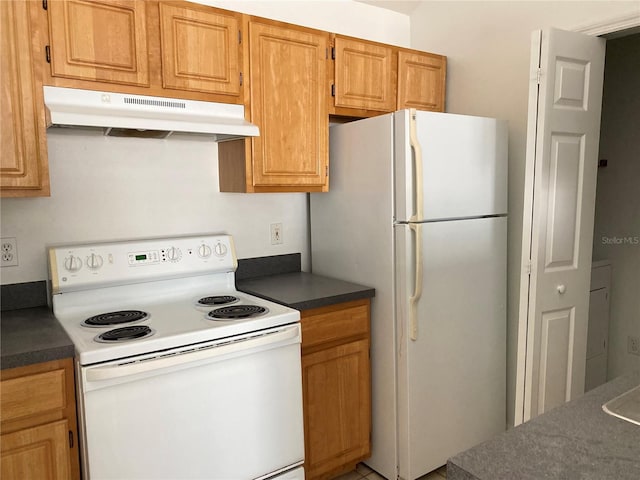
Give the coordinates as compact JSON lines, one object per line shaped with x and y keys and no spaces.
{"x":561,"y":289}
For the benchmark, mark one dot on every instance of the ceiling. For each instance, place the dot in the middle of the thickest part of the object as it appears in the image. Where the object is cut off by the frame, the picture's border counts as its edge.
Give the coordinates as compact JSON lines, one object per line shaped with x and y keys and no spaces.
{"x":401,"y":6}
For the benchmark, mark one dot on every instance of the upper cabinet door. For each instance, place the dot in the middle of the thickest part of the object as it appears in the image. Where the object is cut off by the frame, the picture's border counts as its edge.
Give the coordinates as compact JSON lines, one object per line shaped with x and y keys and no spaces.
{"x":365,"y":75}
{"x":288,"y":103}
{"x":200,"y":49}
{"x":421,"y":81}
{"x":99,"y":40}
{"x":23,"y":146}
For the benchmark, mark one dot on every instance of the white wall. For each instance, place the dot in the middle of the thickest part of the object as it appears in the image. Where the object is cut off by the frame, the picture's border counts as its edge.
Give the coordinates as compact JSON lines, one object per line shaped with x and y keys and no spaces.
{"x":117,"y":188}
{"x":487,"y":45}
{"x":617,"y":225}
{"x":113,"y":188}
{"x":338,"y":16}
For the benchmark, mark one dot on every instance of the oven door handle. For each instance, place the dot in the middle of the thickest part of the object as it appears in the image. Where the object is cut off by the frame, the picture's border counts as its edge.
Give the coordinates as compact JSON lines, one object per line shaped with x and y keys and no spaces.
{"x":207,"y":354}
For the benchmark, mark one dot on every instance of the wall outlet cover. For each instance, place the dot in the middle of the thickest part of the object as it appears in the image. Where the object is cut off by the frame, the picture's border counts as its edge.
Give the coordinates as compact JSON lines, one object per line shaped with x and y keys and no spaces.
{"x":8,"y":252}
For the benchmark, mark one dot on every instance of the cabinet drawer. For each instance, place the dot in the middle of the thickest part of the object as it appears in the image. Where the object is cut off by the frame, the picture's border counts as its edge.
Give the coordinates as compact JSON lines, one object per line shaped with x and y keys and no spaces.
{"x":33,"y":394}
{"x":335,"y":323}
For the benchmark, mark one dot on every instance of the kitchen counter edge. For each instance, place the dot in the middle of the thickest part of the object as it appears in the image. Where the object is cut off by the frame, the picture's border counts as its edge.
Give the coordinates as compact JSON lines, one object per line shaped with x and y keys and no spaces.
{"x":30,"y":336}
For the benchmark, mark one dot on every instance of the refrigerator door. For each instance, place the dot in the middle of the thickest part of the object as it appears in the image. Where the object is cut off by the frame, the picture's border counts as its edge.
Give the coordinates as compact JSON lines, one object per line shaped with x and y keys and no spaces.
{"x":451,"y":379}
{"x":352,"y":239}
{"x":464,"y":166}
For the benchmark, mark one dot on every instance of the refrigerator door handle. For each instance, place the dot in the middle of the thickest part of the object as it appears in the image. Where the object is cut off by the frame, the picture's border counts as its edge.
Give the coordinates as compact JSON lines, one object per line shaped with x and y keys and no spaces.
{"x":416,"y":228}
{"x":417,"y":170}
{"x":417,"y":292}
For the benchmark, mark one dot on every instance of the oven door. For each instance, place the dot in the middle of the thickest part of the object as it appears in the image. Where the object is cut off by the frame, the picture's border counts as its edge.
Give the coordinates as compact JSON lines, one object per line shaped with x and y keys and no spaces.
{"x":228,"y":409}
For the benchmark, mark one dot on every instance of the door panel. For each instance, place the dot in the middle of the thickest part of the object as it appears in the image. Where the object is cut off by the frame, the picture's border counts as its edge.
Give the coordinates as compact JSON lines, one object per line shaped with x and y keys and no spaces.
{"x":337,"y":397}
{"x":40,"y":452}
{"x":99,"y":40}
{"x":288,"y":79}
{"x":564,"y":116}
{"x":23,"y":146}
{"x":563,"y":223}
{"x":421,"y":81}
{"x":364,"y":76}
{"x":557,"y":338}
{"x":460,"y":351}
{"x":200,"y":50}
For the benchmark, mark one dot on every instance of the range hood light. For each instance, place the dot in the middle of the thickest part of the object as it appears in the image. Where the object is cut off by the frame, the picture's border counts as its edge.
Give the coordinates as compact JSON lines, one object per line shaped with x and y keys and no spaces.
{"x":143,"y":116}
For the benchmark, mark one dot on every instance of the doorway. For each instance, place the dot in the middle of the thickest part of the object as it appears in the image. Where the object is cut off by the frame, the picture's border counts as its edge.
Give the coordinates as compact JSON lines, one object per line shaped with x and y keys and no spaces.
{"x":617,"y":213}
{"x":565,"y":383}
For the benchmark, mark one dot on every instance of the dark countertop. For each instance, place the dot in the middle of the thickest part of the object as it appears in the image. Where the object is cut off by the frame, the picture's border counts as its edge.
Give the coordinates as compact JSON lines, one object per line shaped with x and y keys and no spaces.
{"x":577,"y":440}
{"x":304,"y":291}
{"x":32,"y":335}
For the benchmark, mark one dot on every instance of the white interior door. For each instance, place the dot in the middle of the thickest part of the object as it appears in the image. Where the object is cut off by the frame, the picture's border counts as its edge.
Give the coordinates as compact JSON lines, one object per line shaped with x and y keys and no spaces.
{"x":563,"y":135}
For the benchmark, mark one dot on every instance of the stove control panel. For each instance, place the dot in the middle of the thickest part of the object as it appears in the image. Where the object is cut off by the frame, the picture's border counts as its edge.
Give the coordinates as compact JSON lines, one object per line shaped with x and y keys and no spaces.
{"x":78,"y":267}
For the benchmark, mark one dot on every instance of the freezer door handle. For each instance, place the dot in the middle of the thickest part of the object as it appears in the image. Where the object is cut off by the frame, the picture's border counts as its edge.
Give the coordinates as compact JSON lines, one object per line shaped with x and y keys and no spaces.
{"x":417,"y":169}
{"x":417,"y":292}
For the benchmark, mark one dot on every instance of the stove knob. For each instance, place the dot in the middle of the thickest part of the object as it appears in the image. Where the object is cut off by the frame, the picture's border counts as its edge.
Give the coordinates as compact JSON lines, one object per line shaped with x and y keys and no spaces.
{"x":220,"y":249}
{"x":173,"y":254}
{"x":204,"y":251}
{"x":94,"y":262}
{"x":72,"y":264}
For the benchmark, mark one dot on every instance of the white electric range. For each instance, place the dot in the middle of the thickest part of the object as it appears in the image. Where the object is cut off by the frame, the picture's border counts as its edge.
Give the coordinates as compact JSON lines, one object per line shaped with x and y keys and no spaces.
{"x":170,"y":356}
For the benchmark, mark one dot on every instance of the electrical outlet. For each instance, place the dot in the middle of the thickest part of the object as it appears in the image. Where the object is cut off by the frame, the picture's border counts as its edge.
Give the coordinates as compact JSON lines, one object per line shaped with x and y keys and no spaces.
{"x":633,"y":345}
{"x":8,"y":252}
{"x":276,"y":234}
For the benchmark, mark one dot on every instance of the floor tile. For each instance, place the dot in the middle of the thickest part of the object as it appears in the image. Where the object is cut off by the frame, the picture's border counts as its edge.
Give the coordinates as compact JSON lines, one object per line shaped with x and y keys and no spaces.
{"x":374,"y":476}
{"x":432,"y":476}
{"x":353,"y":475}
{"x":363,"y":470}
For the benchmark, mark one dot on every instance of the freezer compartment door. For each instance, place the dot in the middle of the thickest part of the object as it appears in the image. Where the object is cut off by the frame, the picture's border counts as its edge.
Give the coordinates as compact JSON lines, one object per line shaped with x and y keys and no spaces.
{"x":451,"y":378}
{"x":464,"y":166}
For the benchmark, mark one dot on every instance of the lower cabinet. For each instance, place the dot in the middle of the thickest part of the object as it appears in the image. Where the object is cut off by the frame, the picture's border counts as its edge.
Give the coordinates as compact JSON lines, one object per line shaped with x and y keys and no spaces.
{"x":38,"y":452}
{"x":336,"y":388}
{"x":38,"y":421}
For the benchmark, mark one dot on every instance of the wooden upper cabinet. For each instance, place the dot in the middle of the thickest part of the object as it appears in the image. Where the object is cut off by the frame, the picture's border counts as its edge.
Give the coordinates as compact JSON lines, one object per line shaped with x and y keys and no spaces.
{"x":288,"y":102}
{"x":200,"y":49}
{"x":99,"y":40}
{"x":421,"y":80}
{"x":365,"y":75}
{"x":23,"y":160}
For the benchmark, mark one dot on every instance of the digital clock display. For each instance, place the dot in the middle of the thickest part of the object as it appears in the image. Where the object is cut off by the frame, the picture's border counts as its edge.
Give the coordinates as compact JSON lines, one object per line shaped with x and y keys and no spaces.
{"x":141,"y":257}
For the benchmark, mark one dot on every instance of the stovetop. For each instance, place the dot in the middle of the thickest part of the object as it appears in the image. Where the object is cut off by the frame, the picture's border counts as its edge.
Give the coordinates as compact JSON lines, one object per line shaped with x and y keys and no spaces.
{"x":173,"y":316}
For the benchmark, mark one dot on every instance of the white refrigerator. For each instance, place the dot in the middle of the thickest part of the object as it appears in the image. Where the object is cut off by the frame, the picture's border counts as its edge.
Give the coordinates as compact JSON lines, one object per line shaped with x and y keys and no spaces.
{"x":417,"y":209}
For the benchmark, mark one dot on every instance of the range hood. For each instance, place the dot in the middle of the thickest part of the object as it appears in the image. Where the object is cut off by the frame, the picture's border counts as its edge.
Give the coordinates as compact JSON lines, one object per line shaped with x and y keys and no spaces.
{"x":143,"y":116}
